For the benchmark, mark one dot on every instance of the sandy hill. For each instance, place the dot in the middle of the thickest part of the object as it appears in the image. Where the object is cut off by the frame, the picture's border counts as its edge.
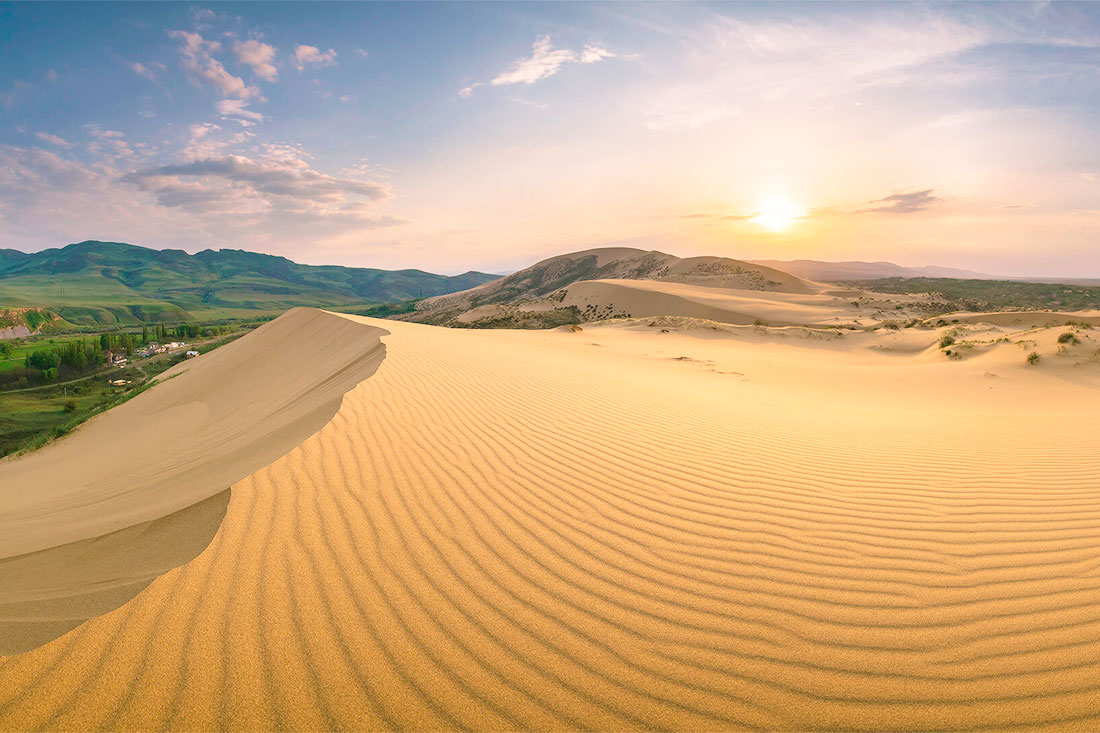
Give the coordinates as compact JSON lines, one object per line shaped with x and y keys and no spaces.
{"x":537,"y":288}
{"x":660,"y":523}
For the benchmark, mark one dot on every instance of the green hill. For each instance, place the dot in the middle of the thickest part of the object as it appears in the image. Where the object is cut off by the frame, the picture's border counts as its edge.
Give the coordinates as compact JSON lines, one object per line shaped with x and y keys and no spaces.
{"x":100,"y":283}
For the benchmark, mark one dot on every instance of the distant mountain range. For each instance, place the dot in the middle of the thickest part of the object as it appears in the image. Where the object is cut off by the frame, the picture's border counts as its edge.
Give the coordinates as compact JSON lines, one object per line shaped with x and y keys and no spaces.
{"x":833,"y":271}
{"x":95,"y":283}
{"x":851,"y":271}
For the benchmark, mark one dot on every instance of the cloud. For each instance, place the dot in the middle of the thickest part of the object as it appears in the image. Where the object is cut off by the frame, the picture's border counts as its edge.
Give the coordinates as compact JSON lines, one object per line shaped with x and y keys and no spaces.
{"x":312,"y":56}
{"x":757,"y":62}
{"x":271,"y":201}
{"x":99,"y":134}
{"x":142,"y":70}
{"x":238,"y":109}
{"x":197,"y":58}
{"x":361,"y":52}
{"x":287,"y":176}
{"x":528,"y":103}
{"x":543,"y":63}
{"x":53,"y":139}
{"x":345,"y":98}
{"x":467,"y":92}
{"x":902,"y":203}
{"x":593,"y":53}
{"x":259,"y":56}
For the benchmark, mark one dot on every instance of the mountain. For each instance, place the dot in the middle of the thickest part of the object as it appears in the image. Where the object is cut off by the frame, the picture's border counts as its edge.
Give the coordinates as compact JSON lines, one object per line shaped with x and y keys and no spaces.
{"x":110,"y":282}
{"x":834,"y":271}
{"x":538,"y":288}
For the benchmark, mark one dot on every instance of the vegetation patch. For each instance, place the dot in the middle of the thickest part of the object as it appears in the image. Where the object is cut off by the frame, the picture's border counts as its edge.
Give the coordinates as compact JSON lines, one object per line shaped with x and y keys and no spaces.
{"x":988,"y":295}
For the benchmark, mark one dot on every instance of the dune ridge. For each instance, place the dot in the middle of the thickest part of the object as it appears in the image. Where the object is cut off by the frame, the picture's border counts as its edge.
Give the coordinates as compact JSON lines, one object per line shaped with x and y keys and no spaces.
{"x":88,"y":521}
{"x":671,"y":530}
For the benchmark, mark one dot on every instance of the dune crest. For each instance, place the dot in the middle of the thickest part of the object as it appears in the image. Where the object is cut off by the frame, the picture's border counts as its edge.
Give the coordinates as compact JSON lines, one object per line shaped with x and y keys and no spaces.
{"x":77,"y":516}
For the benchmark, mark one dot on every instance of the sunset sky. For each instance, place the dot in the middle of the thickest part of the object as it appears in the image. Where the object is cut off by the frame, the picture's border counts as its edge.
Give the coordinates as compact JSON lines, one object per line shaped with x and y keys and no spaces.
{"x":486,"y":136}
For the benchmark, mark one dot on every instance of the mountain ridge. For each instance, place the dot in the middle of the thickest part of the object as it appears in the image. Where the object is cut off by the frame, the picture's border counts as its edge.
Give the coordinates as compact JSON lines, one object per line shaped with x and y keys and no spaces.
{"x":94,"y":282}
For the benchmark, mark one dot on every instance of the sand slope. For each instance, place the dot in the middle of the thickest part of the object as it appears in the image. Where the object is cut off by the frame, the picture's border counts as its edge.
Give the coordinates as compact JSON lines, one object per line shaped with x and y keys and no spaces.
{"x":642,"y":298}
{"x":78,"y":517}
{"x":624,"y":528}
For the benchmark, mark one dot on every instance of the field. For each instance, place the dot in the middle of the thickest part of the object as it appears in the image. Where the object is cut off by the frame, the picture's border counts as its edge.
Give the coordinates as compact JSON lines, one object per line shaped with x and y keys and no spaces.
{"x":990,"y":295}
{"x":30,"y":417}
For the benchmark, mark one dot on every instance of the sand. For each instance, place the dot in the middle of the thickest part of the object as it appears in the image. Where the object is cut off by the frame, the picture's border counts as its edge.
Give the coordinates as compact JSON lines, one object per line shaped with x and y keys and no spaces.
{"x":101,"y":494}
{"x":641,"y":298}
{"x":674,"y":526}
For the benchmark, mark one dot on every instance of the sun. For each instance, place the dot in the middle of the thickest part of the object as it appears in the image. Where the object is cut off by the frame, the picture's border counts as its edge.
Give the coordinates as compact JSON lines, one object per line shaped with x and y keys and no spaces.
{"x":778,"y":214}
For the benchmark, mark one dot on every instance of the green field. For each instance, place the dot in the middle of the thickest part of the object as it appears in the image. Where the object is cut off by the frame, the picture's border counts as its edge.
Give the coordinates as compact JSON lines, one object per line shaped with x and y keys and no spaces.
{"x":990,"y":295}
{"x":21,"y":348}
{"x":30,"y":417}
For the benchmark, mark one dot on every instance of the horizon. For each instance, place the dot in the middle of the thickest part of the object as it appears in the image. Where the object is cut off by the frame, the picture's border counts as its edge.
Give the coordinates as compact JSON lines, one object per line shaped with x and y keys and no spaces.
{"x":451,"y":138}
{"x":503,"y":273}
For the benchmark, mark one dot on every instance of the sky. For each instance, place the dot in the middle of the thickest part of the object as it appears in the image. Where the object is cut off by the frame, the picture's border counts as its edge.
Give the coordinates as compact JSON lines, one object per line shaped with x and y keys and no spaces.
{"x":487,"y":136}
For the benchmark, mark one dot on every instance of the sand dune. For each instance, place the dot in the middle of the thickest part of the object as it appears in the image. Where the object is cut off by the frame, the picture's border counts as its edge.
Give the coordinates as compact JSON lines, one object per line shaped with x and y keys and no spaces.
{"x":1025,"y":319}
{"x":627,"y":527}
{"x":77,"y":518}
{"x":643,"y":298}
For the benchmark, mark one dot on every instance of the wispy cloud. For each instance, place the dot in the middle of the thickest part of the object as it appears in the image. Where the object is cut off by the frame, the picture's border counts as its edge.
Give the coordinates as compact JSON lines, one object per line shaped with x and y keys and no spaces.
{"x":528,"y":102}
{"x":593,"y":52}
{"x":53,"y":139}
{"x":544,"y":62}
{"x":258,"y":55}
{"x":312,"y":56}
{"x":149,"y":72}
{"x":286,"y":177}
{"x":902,"y":203}
{"x":197,"y":58}
{"x":238,"y":110}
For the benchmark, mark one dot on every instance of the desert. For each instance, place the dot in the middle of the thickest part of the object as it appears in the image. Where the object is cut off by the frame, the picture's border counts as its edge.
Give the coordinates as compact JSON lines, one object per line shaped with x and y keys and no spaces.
{"x":590,"y":366}
{"x":638,"y":523}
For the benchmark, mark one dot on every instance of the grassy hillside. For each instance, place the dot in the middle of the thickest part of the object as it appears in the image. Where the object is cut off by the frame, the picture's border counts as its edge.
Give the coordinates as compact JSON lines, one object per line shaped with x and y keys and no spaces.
{"x":988,"y":295}
{"x":108,"y":283}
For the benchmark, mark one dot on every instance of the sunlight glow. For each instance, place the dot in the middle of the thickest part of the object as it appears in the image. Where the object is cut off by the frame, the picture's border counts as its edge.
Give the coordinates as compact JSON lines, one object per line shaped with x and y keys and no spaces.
{"x":777,"y":214}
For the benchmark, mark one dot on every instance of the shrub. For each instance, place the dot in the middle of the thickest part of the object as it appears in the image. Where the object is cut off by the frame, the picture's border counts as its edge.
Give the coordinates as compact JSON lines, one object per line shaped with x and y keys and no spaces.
{"x":1033,"y":358}
{"x":1069,"y":338}
{"x":946,"y":340}
{"x":70,"y":405}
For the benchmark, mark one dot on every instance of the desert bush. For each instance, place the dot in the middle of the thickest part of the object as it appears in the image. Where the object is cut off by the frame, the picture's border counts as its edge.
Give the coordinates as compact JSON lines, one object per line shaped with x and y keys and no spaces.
{"x":946,"y":340}
{"x":1069,"y":338}
{"x":1033,"y":358}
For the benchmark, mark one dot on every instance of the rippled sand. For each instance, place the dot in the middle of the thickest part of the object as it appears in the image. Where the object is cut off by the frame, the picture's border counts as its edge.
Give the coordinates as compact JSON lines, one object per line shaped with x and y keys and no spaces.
{"x":624,"y":528}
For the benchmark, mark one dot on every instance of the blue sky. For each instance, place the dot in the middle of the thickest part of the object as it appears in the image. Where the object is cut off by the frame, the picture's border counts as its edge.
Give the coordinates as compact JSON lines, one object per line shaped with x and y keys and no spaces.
{"x":457,"y":136}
